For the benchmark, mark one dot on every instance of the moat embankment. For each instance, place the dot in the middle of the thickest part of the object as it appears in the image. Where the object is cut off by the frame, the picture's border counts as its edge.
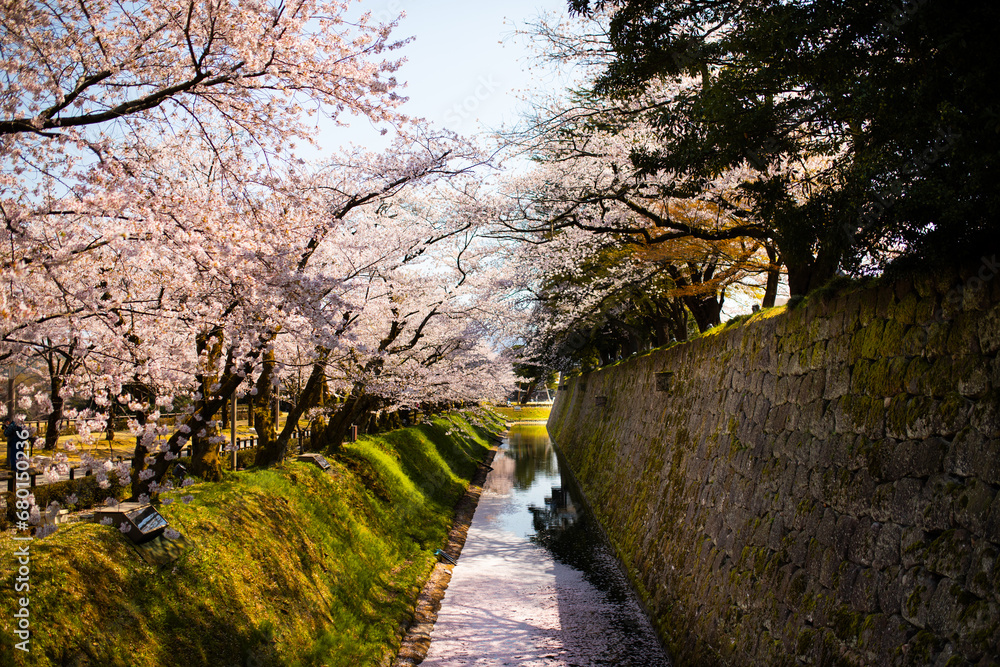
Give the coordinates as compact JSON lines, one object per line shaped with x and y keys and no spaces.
{"x":814,"y":486}
{"x":285,"y":565}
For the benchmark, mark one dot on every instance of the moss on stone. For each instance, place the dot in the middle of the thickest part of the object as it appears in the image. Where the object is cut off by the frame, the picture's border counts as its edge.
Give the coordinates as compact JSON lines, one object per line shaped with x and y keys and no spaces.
{"x":905,"y":310}
{"x":847,"y":623}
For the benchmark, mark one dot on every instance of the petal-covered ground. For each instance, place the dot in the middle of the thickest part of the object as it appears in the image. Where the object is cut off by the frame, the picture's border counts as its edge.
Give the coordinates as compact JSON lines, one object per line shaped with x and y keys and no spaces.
{"x":511,"y":602}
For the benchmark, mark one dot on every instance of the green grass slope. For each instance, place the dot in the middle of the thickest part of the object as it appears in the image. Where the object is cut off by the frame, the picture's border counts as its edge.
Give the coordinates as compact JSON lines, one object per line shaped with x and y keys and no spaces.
{"x":286,"y":566}
{"x":526,"y":413}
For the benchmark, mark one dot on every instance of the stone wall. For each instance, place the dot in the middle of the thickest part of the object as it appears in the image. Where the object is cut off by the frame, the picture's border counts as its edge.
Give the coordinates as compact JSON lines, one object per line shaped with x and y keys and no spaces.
{"x":813,"y":486}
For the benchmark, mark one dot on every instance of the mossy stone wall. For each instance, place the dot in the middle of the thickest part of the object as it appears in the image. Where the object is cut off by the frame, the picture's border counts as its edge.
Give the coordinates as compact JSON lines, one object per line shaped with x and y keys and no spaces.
{"x":815,"y":487}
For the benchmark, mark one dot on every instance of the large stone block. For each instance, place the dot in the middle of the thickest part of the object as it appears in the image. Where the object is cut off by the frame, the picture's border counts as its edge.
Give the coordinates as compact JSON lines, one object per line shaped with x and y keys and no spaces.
{"x":844,"y":534}
{"x":972,"y":455}
{"x":864,"y":591}
{"x":945,"y":609}
{"x":881,"y":506}
{"x":863,"y":415}
{"x":883,"y":635}
{"x":971,"y":375}
{"x":949,"y":554}
{"x":983,"y":576}
{"x":972,"y":507}
{"x":868,"y":342}
{"x":887,"y":546}
{"x":916,"y":458}
{"x":917,"y":589}
{"x":985,"y":416}
{"x":830,"y":568}
{"x":915,"y":417}
{"x":906,"y":496}
{"x":889,"y":584}
{"x":934,"y":509}
{"x":978,"y":630}
{"x":862,"y":546}
{"x":838,"y":381}
{"x":988,"y":330}
{"x":963,"y":336}
{"x":913,"y":547}
{"x":905,"y":309}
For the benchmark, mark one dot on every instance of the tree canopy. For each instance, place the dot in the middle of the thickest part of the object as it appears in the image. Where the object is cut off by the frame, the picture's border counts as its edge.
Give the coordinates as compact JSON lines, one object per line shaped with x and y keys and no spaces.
{"x":898,"y":97}
{"x":165,"y":247}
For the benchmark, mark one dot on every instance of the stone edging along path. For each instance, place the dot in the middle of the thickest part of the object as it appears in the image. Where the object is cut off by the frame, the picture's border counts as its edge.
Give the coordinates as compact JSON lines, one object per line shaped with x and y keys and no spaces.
{"x":417,"y":639}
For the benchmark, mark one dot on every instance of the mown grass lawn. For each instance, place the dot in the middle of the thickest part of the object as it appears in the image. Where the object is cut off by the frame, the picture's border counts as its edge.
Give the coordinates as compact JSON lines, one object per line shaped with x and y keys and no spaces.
{"x":526,"y":413}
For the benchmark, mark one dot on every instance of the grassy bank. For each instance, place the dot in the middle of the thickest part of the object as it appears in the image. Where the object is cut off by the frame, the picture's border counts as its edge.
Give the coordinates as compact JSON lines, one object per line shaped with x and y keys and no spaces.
{"x":286,"y":566}
{"x":526,"y":413}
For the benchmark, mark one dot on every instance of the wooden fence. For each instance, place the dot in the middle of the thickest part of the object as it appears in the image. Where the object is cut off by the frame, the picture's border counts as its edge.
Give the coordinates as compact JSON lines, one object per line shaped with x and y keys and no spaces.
{"x":299,"y":441}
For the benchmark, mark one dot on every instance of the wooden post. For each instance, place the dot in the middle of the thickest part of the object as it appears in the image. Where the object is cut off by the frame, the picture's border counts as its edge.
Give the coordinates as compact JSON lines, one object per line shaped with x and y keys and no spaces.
{"x":11,"y":403}
{"x":232,"y":430}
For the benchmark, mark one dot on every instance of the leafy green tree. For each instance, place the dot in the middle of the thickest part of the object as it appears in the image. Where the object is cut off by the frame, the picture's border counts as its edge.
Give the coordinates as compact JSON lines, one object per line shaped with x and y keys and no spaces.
{"x":898,"y":97}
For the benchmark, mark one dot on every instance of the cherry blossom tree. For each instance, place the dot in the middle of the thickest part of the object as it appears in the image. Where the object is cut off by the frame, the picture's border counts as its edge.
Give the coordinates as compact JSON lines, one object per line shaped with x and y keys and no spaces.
{"x":625,"y":253}
{"x":156,"y":216}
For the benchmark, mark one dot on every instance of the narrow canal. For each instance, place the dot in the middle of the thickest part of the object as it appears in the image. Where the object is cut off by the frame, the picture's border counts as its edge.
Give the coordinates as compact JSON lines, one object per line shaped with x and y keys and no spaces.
{"x":535,"y":584}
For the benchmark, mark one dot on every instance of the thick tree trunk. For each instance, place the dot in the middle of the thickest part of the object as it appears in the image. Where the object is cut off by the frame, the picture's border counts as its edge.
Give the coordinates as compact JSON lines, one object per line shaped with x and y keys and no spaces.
{"x":678,"y":320}
{"x":306,"y":400}
{"x":811,"y":273}
{"x":773,"y":278}
{"x":267,"y":440}
{"x":317,"y":425}
{"x":707,"y":310}
{"x":52,"y":423}
{"x":352,"y":411}
{"x":109,"y":427}
{"x":205,"y":409}
{"x":205,"y":460}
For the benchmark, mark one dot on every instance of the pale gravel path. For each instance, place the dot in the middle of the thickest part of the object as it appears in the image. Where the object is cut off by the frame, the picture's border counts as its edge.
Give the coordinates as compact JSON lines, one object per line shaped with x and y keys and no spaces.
{"x":511,"y":603}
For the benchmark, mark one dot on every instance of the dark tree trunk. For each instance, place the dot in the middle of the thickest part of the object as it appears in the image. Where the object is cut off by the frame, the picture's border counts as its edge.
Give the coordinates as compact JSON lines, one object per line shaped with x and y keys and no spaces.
{"x":773,"y":278}
{"x":706,"y":310}
{"x":109,"y":427}
{"x":227,"y":408}
{"x":205,"y":409}
{"x":811,"y":273}
{"x":52,"y":423}
{"x":678,"y":318}
{"x":139,"y":455}
{"x":317,"y":425}
{"x":352,"y":411}
{"x":306,"y":400}
{"x":61,"y":365}
{"x":205,"y":461}
{"x":267,"y":440}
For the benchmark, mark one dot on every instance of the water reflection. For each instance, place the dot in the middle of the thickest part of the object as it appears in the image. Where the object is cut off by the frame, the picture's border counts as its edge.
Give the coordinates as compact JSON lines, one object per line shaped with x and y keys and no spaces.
{"x":558,"y":514}
{"x":530,"y":448}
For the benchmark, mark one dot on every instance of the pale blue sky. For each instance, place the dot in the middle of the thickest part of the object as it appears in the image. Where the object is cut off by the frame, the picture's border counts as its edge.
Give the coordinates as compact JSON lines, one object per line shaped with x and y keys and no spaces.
{"x":465,"y":70}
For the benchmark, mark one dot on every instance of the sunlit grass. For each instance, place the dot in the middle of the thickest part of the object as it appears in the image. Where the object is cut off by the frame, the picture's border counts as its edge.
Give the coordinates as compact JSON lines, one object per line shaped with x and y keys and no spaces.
{"x":285,"y":566}
{"x":526,"y":413}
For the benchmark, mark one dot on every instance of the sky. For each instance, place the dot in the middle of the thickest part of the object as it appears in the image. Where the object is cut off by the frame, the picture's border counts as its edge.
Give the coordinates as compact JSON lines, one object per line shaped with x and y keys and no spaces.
{"x":465,"y":70}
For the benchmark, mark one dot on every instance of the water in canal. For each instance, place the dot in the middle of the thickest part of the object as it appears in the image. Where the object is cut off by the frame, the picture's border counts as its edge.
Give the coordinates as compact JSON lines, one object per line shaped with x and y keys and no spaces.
{"x":535,"y":584}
